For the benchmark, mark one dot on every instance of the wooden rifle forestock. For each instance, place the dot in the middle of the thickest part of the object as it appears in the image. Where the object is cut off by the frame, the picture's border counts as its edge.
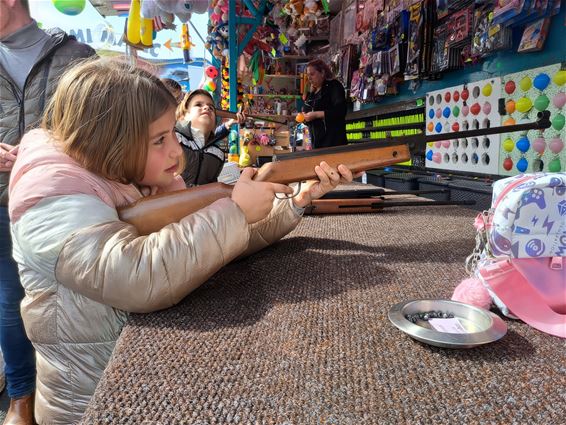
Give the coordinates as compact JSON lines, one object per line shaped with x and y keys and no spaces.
{"x":152,"y":213}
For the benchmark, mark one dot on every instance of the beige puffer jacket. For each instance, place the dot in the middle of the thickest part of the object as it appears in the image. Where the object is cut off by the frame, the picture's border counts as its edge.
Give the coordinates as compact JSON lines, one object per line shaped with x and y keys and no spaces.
{"x":83,"y":269}
{"x":20,"y":111}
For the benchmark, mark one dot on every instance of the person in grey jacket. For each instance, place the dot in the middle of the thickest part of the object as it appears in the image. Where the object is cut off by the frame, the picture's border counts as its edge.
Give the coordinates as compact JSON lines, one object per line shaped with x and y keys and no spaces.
{"x":31,"y":62}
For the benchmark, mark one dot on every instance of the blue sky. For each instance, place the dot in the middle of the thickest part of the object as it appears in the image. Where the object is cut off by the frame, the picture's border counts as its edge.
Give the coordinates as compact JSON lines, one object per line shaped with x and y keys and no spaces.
{"x":89,"y":23}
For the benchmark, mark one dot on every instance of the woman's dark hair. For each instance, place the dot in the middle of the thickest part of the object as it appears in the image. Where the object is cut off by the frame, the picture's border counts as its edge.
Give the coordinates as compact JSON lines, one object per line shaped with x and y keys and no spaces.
{"x":321,"y":67}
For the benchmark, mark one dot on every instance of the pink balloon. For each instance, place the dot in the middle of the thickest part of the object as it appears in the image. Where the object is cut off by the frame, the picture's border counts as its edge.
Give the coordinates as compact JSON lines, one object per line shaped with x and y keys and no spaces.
{"x":486,"y":108}
{"x":559,"y":100}
{"x":539,"y":145}
{"x":556,"y":145}
{"x":438,"y":113}
{"x":446,"y":144}
{"x":438,"y":144}
{"x":465,"y":110}
{"x":437,"y":157}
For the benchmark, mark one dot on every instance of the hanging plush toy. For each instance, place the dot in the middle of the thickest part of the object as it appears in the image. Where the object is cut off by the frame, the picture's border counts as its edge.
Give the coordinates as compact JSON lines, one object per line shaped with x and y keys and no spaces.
{"x":181,"y":8}
{"x":139,"y":31}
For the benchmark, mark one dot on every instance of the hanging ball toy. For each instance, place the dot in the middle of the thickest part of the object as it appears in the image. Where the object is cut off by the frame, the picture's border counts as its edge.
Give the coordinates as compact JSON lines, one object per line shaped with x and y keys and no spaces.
{"x":508,"y":145}
{"x":522,"y":165}
{"x":510,"y":106}
{"x":541,"y":81}
{"x":539,"y":145}
{"x":508,"y":164}
{"x":525,"y":83}
{"x":559,"y":78}
{"x":559,"y":100}
{"x":300,"y":117}
{"x":510,"y":87}
{"x":523,"y":144}
{"x":542,"y":102}
{"x":554,"y":166}
{"x":558,"y":122}
{"x":486,"y":90}
{"x":69,"y":7}
{"x":556,"y":145}
{"x":524,"y":105}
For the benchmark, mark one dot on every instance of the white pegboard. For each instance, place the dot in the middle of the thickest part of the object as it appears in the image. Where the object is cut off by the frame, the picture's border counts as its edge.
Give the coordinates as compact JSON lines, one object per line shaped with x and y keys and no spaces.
{"x":464,"y":107}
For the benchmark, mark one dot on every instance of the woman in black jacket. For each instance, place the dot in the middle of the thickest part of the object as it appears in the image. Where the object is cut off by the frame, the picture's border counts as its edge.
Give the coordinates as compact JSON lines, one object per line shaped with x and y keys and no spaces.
{"x":325,"y":107}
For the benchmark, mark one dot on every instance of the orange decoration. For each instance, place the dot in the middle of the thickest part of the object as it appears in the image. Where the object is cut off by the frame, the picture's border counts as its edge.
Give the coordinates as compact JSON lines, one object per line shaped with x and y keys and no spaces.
{"x":300,"y":117}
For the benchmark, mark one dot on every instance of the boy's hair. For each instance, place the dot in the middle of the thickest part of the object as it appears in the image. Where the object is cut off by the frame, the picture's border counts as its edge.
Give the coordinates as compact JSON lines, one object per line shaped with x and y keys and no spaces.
{"x":321,"y":67}
{"x":174,"y":88}
{"x":186,"y":102}
{"x":100,"y":113}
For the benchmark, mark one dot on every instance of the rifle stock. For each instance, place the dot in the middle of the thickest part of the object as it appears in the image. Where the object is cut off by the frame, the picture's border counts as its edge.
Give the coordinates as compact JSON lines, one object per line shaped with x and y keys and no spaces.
{"x":370,"y":205}
{"x":152,"y":213}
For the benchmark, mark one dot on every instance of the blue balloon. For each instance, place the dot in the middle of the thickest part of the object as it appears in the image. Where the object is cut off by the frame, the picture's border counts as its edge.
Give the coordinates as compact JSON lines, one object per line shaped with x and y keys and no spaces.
{"x":522,"y":165}
{"x":541,"y":81}
{"x":523,"y":144}
{"x":431,"y":113}
{"x":475,"y":158}
{"x":446,"y":112}
{"x":438,"y":127}
{"x":429,"y":155}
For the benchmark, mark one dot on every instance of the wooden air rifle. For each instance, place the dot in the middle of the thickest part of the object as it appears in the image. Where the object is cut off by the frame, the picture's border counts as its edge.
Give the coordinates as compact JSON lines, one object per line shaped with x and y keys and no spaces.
{"x":152,"y":213}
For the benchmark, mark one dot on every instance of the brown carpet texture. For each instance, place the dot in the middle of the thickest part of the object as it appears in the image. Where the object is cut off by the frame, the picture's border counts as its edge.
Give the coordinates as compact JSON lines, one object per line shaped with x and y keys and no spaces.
{"x":299,"y":334}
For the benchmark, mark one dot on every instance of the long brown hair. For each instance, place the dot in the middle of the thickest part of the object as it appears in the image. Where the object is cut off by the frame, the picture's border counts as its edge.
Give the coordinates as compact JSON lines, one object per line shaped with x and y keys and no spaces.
{"x":100,"y":114}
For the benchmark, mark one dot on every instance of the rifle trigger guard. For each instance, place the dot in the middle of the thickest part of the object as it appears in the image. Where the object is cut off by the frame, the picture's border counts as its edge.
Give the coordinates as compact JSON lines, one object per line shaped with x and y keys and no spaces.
{"x":290,"y":196}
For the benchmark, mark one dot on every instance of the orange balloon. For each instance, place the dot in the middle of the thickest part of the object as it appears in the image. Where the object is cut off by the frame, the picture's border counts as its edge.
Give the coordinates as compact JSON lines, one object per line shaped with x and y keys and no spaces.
{"x":430,"y":127}
{"x":510,"y":106}
{"x":300,"y":117}
{"x":509,"y":121}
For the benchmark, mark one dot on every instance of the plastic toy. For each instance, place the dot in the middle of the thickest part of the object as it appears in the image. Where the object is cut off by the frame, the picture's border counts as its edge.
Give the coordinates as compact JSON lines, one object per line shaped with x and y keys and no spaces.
{"x":69,"y":7}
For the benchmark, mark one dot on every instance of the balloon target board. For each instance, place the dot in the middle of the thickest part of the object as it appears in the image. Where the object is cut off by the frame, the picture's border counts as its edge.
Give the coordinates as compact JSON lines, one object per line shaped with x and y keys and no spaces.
{"x":525,"y":94}
{"x":466,"y":107}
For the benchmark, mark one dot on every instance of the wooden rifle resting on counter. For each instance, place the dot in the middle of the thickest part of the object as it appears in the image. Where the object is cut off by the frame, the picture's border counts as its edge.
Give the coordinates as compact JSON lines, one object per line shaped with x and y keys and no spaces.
{"x":152,"y":213}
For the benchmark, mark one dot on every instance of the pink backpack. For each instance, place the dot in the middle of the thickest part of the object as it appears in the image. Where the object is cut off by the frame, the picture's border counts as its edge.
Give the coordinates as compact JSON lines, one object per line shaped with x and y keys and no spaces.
{"x":520,"y":250}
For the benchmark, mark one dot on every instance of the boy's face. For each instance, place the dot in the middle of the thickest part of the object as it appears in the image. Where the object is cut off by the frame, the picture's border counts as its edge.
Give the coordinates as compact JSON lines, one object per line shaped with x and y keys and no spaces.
{"x":202,"y":113}
{"x":163,"y":153}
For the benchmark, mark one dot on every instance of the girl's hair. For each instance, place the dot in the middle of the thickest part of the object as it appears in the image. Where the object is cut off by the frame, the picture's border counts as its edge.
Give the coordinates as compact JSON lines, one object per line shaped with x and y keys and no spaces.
{"x":100,"y":113}
{"x":183,"y":107}
{"x":321,"y":67}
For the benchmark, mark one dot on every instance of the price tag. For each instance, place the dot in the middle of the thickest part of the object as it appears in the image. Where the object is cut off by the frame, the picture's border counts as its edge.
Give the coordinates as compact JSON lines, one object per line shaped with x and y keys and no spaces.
{"x":451,"y":326}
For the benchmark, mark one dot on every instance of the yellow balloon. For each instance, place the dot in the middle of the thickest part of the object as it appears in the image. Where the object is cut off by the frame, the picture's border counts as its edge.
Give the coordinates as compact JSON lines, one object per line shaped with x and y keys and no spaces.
{"x":559,"y":78}
{"x":508,"y":145}
{"x":486,"y":90}
{"x":525,"y":83}
{"x":524,"y":104}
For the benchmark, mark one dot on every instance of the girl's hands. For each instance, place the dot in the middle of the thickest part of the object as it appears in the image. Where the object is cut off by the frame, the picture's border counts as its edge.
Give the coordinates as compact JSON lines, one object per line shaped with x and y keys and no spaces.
{"x":328,"y":177}
{"x":255,"y":199}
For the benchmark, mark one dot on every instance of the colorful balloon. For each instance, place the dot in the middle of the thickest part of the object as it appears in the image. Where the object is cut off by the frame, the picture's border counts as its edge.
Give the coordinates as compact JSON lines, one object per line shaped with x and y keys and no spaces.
{"x":508,"y":145}
{"x":437,"y":144}
{"x":438,"y":113}
{"x":69,"y":7}
{"x":525,"y":83}
{"x":524,"y":105}
{"x":541,"y":81}
{"x":539,"y":145}
{"x":429,"y":155}
{"x":559,"y":78}
{"x":554,"y":166}
{"x":456,"y":111}
{"x":522,"y":165}
{"x":437,"y":157}
{"x":486,"y":108}
{"x":508,"y":164}
{"x":465,"y":94}
{"x":438,"y":127}
{"x":431,"y":113}
{"x":430,"y":127}
{"x":446,"y":112}
{"x":510,"y":106}
{"x":456,"y":96}
{"x":447,"y":96}
{"x":465,"y":110}
{"x":486,"y":90}
{"x":558,"y":122}
{"x":559,"y":100}
{"x":510,"y":87}
{"x":542,"y":102}
{"x":556,"y":145}
{"x":475,"y":109}
{"x":523,"y":144}
{"x":446,"y":144}
{"x":456,"y":127}
{"x":509,"y":121}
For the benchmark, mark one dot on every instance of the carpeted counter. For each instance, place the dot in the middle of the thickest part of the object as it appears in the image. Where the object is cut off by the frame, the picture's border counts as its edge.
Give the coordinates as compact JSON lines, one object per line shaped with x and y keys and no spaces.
{"x":298,"y":334}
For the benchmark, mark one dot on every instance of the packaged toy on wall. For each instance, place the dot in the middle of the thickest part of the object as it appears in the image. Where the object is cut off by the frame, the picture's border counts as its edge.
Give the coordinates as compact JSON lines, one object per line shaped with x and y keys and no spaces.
{"x":466,"y":107}
{"x":525,"y":94}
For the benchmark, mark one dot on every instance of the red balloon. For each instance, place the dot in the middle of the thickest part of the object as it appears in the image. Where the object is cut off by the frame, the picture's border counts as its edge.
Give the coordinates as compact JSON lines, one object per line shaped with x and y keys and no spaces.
{"x":456,"y":96}
{"x":475,"y":108}
{"x":508,"y":164}
{"x":455,"y":127}
{"x":509,"y":87}
{"x":465,"y":94}
{"x":447,"y":96}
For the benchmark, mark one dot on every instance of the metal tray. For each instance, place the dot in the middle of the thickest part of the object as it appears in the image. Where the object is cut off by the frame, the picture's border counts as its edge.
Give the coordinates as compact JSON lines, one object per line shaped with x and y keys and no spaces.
{"x":482,"y":326}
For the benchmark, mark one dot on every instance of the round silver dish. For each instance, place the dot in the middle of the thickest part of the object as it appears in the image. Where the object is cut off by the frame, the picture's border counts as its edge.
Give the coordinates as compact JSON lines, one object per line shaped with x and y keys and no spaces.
{"x":482,"y":326}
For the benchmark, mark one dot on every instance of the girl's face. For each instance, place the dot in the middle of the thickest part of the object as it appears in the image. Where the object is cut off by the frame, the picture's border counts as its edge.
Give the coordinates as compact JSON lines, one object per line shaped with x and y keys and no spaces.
{"x":316,"y":78}
{"x":202,"y":113}
{"x":163,"y":153}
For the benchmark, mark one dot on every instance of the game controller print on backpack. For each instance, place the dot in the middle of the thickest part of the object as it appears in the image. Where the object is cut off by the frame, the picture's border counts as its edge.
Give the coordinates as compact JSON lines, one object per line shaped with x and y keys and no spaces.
{"x":520,"y":250}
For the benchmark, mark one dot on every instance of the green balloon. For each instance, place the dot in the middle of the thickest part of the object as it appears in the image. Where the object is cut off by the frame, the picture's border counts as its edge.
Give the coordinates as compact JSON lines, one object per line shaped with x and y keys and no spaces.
{"x":554,"y":166}
{"x":558,"y":122}
{"x":456,"y":111}
{"x":541,"y":102}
